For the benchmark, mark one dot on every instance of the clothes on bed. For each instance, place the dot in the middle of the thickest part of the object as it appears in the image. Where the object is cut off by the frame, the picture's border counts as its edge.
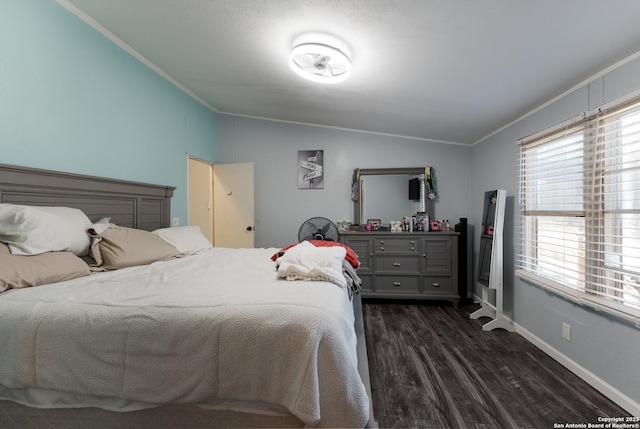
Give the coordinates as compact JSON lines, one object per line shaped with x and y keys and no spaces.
{"x":354,"y":283}
{"x":350,"y":256}
{"x":308,"y":262}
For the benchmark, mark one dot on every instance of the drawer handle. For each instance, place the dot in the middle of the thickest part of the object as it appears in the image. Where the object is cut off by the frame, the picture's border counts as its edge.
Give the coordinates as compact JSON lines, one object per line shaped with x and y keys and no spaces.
{"x":412,"y":242}
{"x":381,"y":241}
{"x":396,"y":284}
{"x":381,"y":248}
{"x":396,"y":264}
{"x":436,"y":285}
{"x":413,"y":248}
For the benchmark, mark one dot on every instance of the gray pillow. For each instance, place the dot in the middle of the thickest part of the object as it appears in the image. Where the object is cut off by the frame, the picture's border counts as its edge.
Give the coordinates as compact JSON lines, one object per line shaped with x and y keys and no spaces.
{"x":120,"y":247}
{"x":18,"y":271}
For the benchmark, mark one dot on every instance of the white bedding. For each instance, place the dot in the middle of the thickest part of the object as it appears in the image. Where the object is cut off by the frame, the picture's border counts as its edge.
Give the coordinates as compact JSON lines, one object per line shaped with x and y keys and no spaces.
{"x":214,"y":326}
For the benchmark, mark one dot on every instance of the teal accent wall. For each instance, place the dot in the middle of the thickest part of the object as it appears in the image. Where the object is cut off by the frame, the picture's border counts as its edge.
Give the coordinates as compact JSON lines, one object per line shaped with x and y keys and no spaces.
{"x":72,"y":100}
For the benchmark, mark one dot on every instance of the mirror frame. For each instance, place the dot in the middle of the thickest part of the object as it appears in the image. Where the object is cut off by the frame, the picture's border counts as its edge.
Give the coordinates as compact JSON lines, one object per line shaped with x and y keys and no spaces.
{"x":383,"y":172}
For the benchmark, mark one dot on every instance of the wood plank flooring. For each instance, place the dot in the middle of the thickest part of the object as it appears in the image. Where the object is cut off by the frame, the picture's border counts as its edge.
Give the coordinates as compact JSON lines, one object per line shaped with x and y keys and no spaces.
{"x":432,"y":366}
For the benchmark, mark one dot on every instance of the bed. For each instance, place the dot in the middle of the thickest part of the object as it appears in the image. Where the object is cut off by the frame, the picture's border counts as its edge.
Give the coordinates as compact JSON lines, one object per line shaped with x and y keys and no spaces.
{"x":205,"y":337}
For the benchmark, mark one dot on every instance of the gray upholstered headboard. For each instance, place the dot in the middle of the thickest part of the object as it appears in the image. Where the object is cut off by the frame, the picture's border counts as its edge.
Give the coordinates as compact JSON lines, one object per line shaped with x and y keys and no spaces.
{"x":130,"y":204}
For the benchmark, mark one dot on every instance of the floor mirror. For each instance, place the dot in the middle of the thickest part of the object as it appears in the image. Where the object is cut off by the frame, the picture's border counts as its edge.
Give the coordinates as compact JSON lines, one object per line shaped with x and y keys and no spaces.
{"x":490,"y":272}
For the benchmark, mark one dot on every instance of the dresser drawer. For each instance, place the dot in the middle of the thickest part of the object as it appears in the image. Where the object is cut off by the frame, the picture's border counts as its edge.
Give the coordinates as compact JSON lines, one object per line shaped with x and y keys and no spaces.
{"x":408,"y":266}
{"x":437,"y":285}
{"x":362,"y":247}
{"x":396,"y":245}
{"x":396,"y":284}
{"x":399,"y":264}
{"x":438,"y":255}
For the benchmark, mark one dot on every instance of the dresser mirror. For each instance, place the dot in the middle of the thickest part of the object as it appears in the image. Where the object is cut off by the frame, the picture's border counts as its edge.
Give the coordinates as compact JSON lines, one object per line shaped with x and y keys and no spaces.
{"x":383,"y":193}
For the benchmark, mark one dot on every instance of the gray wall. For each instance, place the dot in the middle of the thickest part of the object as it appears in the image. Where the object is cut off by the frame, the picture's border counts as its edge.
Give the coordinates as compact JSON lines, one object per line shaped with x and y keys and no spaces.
{"x":280,"y":207}
{"x":602,"y":348}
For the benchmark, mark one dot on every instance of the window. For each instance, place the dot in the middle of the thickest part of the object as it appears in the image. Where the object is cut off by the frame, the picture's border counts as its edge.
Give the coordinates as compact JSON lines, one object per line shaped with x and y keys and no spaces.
{"x":580,"y":197}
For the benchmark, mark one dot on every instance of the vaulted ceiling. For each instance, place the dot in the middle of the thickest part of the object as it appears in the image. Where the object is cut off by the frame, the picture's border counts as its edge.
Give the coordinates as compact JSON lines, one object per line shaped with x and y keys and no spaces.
{"x":442,"y":70}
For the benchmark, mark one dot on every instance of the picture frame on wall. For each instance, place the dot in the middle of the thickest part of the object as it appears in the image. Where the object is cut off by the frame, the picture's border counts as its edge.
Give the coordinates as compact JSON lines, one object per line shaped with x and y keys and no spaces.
{"x":311,"y":169}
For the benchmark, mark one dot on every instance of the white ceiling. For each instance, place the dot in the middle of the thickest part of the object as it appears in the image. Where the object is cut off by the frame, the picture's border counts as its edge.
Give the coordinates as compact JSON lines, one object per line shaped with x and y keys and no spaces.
{"x":443,"y":70}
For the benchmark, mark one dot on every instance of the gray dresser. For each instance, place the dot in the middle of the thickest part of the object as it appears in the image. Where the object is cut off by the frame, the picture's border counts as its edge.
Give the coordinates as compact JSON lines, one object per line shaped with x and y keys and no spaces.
{"x":403,"y":265}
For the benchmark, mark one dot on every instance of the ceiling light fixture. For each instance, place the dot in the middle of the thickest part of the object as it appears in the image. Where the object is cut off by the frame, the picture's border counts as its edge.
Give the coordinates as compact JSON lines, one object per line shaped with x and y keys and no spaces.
{"x":320,"y":63}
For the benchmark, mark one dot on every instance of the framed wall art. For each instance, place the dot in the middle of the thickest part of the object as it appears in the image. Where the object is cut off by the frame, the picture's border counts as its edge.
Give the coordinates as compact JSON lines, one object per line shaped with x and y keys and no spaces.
{"x":310,"y":169}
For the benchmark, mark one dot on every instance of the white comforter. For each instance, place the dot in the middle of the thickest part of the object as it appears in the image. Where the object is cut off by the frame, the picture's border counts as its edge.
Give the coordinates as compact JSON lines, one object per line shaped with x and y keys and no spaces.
{"x":218,"y":324}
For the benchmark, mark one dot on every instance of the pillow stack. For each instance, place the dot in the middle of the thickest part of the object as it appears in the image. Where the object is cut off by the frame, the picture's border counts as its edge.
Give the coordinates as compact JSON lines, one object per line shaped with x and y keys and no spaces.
{"x":41,"y":245}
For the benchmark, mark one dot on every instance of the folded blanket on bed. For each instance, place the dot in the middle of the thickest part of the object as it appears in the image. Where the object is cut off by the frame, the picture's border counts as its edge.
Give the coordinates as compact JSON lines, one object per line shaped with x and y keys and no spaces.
{"x":354,"y":283}
{"x":351,"y":256}
{"x":308,"y":262}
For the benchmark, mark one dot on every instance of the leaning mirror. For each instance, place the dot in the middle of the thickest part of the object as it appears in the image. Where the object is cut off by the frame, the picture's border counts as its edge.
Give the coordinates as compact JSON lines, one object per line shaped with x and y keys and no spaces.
{"x":490,"y":254}
{"x":490,"y":260}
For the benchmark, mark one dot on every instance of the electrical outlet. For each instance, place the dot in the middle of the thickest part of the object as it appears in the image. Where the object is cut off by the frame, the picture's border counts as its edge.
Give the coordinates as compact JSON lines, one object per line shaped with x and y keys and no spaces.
{"x":176,"y":221}
{"x":566,"y":331}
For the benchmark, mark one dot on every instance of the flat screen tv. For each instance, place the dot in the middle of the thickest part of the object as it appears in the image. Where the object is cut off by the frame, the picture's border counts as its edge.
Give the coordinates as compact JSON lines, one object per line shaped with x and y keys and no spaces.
{"x":414,"y":189}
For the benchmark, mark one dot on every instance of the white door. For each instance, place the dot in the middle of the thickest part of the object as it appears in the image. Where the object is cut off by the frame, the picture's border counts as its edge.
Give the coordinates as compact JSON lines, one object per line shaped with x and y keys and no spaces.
{"x":201,"y":196}
{"x":233,"y":205}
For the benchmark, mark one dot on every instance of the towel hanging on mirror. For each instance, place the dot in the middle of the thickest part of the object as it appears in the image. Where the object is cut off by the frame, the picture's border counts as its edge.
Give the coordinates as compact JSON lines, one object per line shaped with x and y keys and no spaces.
{"x":355,"y":185}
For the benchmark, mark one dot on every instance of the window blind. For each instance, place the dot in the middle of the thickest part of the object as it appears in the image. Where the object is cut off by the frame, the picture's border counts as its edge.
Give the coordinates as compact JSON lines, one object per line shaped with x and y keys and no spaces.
{"x":580,"y":199}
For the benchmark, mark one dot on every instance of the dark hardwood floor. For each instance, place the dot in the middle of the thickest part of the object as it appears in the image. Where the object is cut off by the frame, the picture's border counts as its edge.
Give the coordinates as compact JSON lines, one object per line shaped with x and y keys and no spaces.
{"x":432,"y":366}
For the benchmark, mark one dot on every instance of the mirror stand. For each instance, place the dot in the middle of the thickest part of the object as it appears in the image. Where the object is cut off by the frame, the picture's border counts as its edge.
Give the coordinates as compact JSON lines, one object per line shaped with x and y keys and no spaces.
{"x":490,"y":261}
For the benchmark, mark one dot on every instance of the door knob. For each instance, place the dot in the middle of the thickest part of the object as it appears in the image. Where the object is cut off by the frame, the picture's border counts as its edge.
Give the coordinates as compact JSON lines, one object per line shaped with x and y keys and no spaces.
{"x":249,"y":228}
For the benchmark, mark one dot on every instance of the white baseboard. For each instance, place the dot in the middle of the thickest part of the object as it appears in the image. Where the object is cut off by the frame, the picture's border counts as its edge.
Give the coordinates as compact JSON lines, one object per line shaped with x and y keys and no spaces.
{"x":624,"y":401}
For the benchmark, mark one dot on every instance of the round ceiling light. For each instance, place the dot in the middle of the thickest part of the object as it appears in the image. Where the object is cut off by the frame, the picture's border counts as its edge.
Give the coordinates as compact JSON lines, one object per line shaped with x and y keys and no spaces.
{"x":320,"y":63}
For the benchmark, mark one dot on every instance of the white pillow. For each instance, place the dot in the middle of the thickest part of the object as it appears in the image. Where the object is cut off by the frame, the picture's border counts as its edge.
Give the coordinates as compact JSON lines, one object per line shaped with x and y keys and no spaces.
{"x":32,"y":230}
{"x":99,"y":226}
{"x":187,"y":239}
